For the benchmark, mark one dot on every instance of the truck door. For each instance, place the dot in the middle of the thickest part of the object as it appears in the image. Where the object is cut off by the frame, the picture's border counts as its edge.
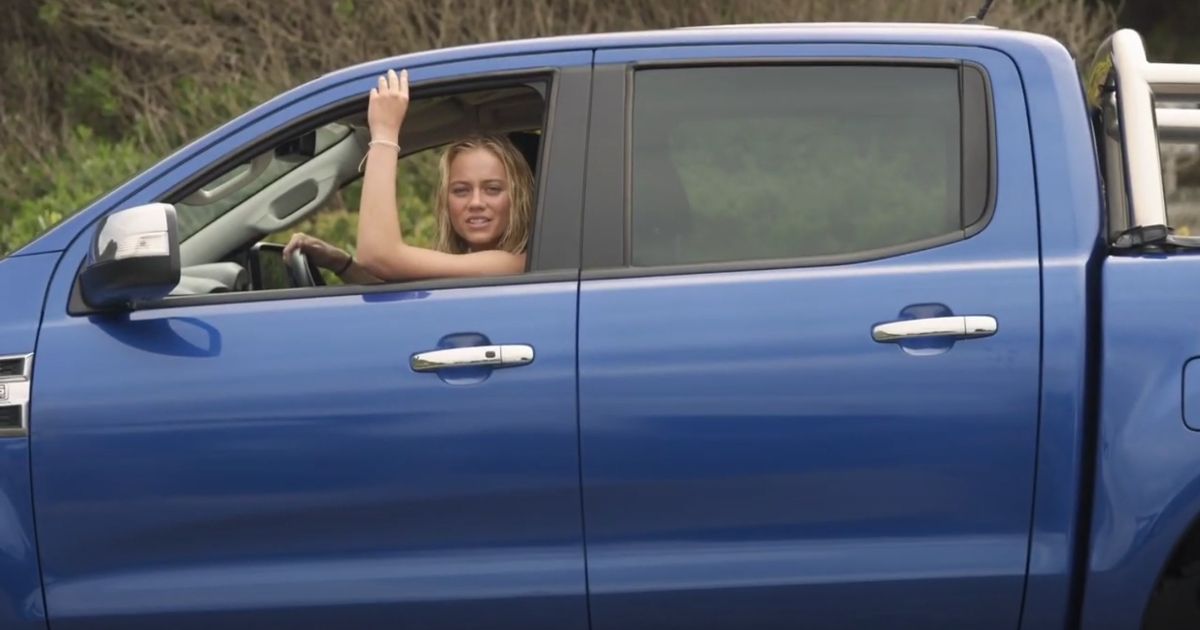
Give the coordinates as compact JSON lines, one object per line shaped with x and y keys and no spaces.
{"x":809,"y":338}
{"x":286,"y":459}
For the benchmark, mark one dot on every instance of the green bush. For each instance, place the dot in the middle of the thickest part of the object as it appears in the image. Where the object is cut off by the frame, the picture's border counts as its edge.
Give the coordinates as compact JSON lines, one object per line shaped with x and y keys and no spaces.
{"x":84,"y":169}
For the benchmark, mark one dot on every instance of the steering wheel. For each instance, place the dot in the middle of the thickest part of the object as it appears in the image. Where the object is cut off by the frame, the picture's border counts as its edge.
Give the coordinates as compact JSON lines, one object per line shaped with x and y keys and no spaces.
{"x":301,"y":272}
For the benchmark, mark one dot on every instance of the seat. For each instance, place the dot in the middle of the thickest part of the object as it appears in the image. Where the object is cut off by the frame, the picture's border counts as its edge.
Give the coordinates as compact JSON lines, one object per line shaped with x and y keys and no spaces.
{"x":529,"y":144}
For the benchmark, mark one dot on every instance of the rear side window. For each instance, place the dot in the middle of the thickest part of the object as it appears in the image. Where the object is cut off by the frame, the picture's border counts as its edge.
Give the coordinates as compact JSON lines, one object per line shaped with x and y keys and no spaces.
{"x":744,"y":163}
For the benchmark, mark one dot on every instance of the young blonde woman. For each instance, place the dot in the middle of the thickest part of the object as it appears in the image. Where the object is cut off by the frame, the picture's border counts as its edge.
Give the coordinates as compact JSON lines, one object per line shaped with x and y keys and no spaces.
{"x":484,"y":206}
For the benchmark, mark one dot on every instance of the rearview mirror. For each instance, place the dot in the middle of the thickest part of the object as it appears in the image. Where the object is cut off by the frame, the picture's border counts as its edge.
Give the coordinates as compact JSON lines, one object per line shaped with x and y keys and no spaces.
{"x":303,"y":145}
{"x":134,"y":256}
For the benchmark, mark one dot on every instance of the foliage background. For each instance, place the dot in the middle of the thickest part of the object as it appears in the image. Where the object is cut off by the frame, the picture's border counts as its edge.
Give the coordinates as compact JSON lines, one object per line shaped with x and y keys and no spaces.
{"x":96,"y":90}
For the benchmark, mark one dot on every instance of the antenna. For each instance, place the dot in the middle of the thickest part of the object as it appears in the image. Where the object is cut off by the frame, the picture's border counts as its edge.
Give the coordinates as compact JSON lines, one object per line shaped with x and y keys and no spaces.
{"x":978,"y":17}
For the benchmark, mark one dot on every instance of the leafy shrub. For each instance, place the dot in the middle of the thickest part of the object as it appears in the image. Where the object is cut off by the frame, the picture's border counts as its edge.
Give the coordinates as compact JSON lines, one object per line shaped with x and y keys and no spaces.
{"x":84,"y":168}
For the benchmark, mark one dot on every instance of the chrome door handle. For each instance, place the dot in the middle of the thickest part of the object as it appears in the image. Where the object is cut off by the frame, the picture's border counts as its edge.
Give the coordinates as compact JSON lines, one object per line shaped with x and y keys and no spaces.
{"x":959,"y":327}
{"x":510,"y":355}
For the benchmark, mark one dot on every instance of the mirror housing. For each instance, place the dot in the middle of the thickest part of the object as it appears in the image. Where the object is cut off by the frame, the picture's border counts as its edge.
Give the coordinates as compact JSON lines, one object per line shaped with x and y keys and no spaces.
{"x":303,"y":145}
{"x":134,"y":257}
{"x":267,"y":267}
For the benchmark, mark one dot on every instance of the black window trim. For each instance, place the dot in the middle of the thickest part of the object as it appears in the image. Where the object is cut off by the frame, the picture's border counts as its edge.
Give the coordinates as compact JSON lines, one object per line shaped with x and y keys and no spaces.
{"x":608,"y":255}
{"x":544,"y":269}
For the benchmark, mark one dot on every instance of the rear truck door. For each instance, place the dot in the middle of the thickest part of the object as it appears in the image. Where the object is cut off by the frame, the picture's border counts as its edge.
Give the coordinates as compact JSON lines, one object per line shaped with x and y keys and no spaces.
{"x":809,"y":338}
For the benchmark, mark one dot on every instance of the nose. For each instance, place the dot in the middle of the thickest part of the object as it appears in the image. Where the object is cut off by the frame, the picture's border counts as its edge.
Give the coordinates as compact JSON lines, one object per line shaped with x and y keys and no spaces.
{"x":476,"y":199}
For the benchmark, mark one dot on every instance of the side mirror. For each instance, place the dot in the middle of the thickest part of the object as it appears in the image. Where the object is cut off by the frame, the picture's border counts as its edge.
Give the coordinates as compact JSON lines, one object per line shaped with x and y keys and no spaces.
{"x":267,"y":268}
{"x":134,"y":256}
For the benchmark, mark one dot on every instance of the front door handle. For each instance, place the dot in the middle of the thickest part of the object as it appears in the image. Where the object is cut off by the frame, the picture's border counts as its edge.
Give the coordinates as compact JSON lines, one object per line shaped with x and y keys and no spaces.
{"x":509,"y":355}
{"x":958,"y":327}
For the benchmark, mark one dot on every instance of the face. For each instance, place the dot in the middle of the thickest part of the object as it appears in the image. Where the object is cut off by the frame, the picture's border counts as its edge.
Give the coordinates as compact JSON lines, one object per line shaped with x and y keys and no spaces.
{"x":479,"y":198}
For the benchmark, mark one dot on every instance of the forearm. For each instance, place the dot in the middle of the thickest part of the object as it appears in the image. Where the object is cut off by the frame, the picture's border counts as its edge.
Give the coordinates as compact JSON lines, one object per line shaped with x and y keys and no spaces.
{"x":379,"y":236}
{"x":355,"y":274}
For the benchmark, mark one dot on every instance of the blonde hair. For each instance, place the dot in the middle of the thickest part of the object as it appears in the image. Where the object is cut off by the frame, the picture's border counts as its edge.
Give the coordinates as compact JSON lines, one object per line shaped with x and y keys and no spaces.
{"x":520,"y":193}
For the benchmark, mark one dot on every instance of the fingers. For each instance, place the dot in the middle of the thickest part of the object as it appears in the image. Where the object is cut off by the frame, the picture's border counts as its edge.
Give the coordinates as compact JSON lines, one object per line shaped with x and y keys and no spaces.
{"x":387,"y":105}
{"x":392,"y":83}
{"x":296,"y":242}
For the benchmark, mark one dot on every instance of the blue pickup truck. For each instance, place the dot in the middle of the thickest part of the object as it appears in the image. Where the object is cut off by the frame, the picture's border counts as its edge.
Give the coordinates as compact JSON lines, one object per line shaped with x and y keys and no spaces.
{"x":823,"y":326}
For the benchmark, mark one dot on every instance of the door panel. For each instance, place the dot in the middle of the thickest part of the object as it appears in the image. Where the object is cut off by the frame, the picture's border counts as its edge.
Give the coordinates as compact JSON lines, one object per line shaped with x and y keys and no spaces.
{"x":279,"y":464}
{"x":753,"y":458}
{"x":261,"y":462}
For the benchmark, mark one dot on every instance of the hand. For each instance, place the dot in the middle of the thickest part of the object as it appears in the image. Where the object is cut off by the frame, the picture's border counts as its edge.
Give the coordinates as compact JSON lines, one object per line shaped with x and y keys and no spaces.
{"x":388,"y":105}
{"x":321,"y":254}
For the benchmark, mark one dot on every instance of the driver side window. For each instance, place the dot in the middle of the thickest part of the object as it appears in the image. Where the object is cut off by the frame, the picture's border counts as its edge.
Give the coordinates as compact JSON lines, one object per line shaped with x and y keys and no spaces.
{"x":336,"y":221}
{"x":234,"y":226}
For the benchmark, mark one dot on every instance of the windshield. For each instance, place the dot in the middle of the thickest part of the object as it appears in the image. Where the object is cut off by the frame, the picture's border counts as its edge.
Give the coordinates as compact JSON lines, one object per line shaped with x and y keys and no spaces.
{"x":22,"y":228}
{"x":195,"y":213}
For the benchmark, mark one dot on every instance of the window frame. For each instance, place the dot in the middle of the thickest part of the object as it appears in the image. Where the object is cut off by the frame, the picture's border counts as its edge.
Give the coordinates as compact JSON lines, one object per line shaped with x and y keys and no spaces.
{"x":607,"y":241}
{"x":555,"y":233}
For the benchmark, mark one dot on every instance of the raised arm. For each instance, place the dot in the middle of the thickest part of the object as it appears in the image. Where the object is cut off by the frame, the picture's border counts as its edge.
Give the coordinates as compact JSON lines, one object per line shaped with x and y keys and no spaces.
{"x":382,"y":251}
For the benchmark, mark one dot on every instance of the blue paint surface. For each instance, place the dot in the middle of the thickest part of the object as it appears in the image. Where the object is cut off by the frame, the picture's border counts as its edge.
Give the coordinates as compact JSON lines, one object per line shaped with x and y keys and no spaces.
{"x":753,"y":458}
{"x":1070,"y":231}
{"x":1147,"y":486}
{"x":281,"y":465}
{"x":23,"y":281}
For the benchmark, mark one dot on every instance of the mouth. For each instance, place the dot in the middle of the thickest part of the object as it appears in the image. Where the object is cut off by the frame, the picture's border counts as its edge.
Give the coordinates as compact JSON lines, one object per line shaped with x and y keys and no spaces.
{"x":478,"y":222}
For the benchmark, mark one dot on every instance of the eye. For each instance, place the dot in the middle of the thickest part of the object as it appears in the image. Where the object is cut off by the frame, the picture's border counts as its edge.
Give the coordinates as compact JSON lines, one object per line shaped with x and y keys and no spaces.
{"x":494,"y":189}
{"x":459,"y":191}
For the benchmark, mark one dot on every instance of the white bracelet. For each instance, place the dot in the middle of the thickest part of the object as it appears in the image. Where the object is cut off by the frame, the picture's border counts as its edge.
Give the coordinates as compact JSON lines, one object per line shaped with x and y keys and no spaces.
{"x":385,"y":143}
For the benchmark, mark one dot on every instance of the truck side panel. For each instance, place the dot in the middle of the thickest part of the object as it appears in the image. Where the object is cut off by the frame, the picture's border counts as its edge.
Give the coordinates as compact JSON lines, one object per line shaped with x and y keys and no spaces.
{"x":1148,"y":461}
{"x":1069,"y":220}
{"x":23,"y":281}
